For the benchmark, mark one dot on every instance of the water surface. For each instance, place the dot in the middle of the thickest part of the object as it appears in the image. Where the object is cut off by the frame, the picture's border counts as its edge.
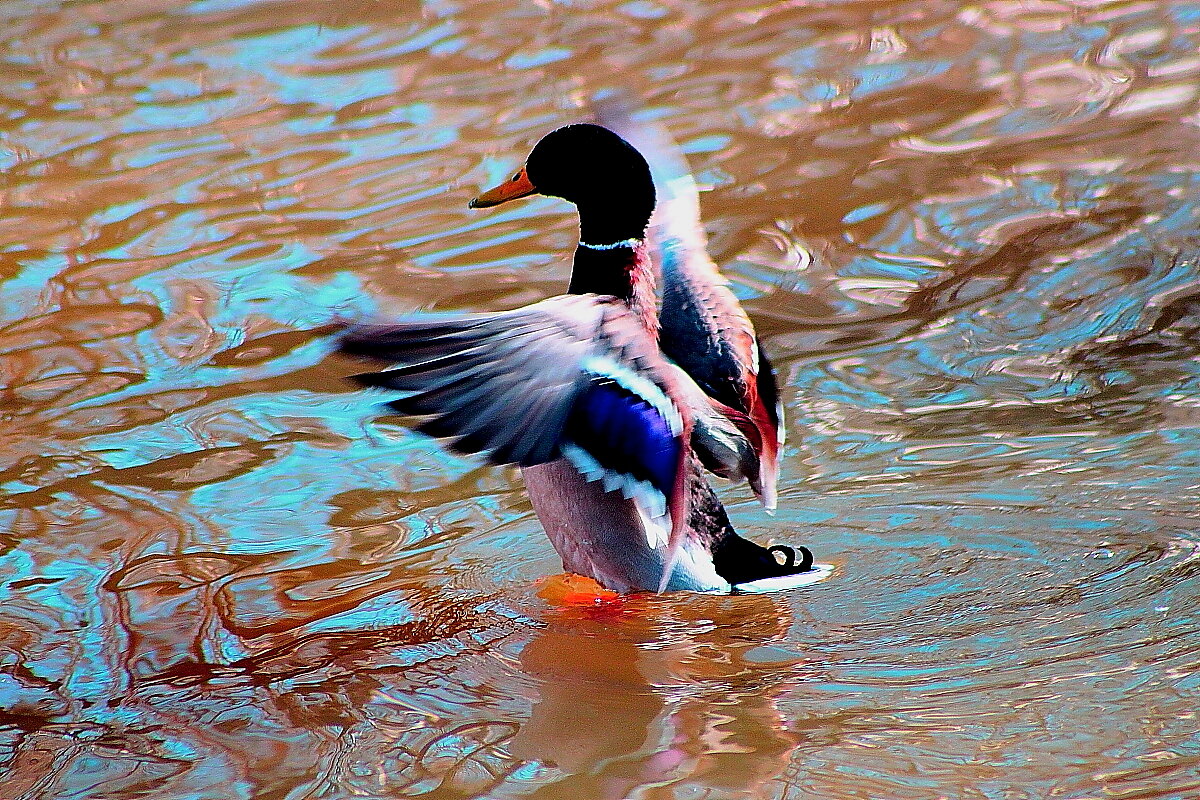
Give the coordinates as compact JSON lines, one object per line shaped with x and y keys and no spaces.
{"x":968,"y":232}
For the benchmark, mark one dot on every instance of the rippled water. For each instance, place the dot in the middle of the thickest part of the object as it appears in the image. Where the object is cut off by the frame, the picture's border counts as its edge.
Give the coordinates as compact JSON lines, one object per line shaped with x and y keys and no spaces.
{"x":969,"y":233}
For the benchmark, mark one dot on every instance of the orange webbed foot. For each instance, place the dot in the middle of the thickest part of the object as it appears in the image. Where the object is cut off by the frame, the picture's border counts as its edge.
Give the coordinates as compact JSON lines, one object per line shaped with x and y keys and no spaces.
{"x":569,"y":589}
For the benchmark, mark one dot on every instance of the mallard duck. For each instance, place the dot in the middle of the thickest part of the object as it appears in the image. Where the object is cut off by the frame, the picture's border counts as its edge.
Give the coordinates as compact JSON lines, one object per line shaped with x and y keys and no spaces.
{"x":611,"y":436}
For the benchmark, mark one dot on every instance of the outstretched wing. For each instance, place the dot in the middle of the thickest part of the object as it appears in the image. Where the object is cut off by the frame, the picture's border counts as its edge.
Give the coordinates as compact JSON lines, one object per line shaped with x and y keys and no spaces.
{"x":498,"y":383}
{"x":573,"y":376}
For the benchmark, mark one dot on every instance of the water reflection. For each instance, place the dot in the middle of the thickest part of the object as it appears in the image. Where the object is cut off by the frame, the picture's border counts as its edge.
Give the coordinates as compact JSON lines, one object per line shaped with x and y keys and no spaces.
{"x":969,"y":233}
{"x":638,"y":700}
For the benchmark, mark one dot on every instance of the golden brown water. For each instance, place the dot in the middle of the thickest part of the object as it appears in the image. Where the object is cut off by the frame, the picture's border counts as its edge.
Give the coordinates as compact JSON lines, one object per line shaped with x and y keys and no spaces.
{"x":969,"y":232}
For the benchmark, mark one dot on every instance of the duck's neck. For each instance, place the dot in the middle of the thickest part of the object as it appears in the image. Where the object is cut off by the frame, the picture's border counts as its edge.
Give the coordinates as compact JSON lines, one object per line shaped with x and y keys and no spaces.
{"x":621,"y":268}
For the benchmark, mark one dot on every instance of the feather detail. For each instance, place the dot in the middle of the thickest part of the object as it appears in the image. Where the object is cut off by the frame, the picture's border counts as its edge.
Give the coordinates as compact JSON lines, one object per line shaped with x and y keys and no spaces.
{"x":767,"y":413}
{"x":780,"y":583}
{"x":577,"y":377}
{"x":657,"y":525}
{"x":606,"y":367}
{"x":678,"y":501}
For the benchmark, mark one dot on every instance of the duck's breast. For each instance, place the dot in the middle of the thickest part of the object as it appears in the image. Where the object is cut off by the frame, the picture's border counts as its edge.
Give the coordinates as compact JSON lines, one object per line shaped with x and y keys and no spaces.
{"x":602,"y":535}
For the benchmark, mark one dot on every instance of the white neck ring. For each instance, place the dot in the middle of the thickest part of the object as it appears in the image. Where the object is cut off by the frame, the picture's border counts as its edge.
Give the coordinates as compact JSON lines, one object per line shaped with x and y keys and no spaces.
{"x":631,"y":243}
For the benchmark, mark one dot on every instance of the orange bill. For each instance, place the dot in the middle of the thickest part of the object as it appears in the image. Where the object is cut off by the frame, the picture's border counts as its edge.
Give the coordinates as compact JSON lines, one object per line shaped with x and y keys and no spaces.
{"x":516,"y":186}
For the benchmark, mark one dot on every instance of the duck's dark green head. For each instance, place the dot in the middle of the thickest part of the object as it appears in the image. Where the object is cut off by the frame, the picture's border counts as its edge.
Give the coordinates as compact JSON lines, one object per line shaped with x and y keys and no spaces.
{"x":588,"y":165}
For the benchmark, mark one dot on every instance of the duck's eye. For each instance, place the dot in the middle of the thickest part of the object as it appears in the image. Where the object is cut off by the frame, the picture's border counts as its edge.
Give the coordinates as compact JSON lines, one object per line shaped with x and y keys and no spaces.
{"x":516,"y":177}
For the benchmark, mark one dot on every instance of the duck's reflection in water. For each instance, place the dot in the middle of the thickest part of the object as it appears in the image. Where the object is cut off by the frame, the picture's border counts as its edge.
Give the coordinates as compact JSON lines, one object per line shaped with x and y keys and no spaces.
{"x":462,"y":696}
{"x":673,"y":689}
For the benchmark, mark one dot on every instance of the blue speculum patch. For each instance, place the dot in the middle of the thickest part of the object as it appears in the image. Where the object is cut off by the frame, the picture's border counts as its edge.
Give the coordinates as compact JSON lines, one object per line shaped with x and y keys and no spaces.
{"x":626,"y":434}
